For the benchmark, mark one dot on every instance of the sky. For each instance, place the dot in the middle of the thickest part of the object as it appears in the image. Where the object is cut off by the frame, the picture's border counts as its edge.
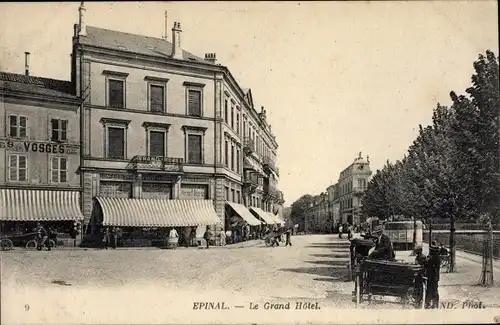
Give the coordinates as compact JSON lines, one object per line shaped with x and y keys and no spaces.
{"x":336,"y":78}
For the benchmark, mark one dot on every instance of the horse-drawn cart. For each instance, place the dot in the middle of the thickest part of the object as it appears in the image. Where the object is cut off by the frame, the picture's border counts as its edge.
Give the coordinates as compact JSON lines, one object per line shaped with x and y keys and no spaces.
{"x":359,"y":250}
{"x":390,"y":278}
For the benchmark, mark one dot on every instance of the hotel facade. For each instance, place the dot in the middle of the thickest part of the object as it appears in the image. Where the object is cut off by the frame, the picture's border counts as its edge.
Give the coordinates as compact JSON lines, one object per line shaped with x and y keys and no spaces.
{"x":160,"y":123}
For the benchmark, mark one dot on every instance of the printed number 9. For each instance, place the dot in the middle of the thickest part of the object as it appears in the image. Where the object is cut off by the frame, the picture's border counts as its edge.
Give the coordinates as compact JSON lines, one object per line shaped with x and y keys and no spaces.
{"x":26,"y":307}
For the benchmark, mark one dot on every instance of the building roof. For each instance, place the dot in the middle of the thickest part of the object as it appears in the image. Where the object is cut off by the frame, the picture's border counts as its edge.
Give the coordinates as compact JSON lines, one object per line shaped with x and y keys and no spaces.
{"x":36,"y":85}
{"x":140,"y":44}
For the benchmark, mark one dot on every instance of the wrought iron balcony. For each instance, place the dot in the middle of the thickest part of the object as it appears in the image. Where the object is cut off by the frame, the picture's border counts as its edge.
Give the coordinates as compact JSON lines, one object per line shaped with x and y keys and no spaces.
{"x":269,"y":188}
{"x":250,"y":182}
{"x":158,"y":163}
{"x":248,"y":145}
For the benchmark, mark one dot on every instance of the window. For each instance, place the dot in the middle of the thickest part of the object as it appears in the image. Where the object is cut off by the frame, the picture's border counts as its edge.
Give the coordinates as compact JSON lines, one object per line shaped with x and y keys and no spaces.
{"x":232,"y":157}
{"x":238,"y":197}
{"x":233,"y":197}
{"x":116,"y":143}
{"x":17,"y":126}
{"x":18,"y":168}
{"x":194,"y":102}
{"x":157,"y":143}
{"x":59,"y":170}
{"x":157,"y":98}
{"x":59,"y":130}
{"x":226,"y":193}
{"x":226,"y":152}
{"x":238,"y":160}
{"x":226,"y":107}
{"x":194,"y":149}
{"x":244,"y":128}
{"x":116,"y":93}
{"x":232,"y":117}
{"x":238,"y":124}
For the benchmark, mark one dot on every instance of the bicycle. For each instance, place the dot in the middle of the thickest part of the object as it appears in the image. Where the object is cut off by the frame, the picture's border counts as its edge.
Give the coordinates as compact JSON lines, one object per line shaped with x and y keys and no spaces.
{"x":6,"y":244}
{"x":33,"y":244}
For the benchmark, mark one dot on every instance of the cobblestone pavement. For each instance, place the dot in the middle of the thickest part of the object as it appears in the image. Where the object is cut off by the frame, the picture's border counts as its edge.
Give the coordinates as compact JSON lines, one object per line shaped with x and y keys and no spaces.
{"x":314,"y":269}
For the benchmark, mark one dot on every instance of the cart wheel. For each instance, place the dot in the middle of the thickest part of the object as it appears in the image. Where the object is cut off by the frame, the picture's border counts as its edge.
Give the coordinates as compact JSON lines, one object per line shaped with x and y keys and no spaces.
{"x":31,"y":245}
{"x":6,"y":244}
{"x":52,"y":244}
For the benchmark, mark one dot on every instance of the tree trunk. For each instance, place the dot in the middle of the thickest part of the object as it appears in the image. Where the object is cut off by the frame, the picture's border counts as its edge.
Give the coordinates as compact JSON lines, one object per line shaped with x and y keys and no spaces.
{"x":430,"y":231}
{"x":414,"y":232}
{"x":452,"y":243}
{"x":490,"y":237}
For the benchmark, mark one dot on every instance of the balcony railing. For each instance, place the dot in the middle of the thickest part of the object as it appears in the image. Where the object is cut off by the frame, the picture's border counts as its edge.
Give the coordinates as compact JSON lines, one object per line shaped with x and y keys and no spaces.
{"x":248,"y":145}
{"x":269,"y":189}
{"x":268,"y":163}
{"x":168,"y":164}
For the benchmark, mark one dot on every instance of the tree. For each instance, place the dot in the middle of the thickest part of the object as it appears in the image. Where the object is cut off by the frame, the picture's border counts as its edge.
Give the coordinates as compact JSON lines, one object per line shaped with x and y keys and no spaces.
{"x":298,"y":209}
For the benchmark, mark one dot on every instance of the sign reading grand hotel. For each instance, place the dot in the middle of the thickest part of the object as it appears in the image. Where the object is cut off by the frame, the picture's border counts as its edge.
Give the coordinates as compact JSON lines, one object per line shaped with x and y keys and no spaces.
{"x":156,"y":162}
{"x":41,"y":147}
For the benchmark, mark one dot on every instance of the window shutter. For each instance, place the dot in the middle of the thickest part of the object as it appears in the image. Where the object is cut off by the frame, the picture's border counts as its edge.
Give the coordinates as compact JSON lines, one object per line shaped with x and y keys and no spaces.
{"x":13,"y":167}
{"x":194,"y":149}
{"x":157,"y":98}
{"x":54,"y":127}
{"x":63,"y":169}
{"x":157,"y":143}
{"x":116,"y":143}
{"x":23,"y":126}
{"x":194,"y":101}
{"x":64,"y":130}
{"x":13,"y":126}
{"x":23,"y":168}
{"x":115,"y":93}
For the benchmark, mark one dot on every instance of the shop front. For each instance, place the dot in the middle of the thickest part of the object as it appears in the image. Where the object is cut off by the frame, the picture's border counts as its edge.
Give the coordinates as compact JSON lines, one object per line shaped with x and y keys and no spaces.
{"x":241,"y":223}
{"x":147,"y":222}
{"x":22,"y":209}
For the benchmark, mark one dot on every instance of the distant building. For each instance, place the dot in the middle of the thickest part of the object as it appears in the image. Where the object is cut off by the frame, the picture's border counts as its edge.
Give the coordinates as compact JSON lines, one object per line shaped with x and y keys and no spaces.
{"x":352,"y":184}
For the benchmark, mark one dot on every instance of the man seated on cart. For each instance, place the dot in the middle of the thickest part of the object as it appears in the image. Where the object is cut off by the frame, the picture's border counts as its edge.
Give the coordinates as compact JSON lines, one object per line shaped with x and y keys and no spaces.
{"x":383,"y":247}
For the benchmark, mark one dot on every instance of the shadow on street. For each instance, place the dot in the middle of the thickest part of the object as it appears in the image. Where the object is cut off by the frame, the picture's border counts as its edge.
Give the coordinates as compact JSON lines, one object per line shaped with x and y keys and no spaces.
{"x":332,"y":263}
{"x":333,"y":272}
{"x":335,"y":255}
{"x":329,"y":245}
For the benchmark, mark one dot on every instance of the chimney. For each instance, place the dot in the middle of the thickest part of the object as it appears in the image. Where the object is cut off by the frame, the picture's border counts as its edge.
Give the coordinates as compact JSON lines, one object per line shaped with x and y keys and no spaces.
{"x":27,"y":63}
{"x":211,"y":57}
{"x":165,"y":36}
{"x":176,"y":41}
{"x":82,"y":31}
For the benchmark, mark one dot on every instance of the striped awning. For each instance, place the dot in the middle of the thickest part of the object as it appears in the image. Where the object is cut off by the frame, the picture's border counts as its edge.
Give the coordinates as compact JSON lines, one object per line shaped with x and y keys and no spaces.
{"x":243,"y":212}
{"x":263,"y":215}
{"x":39,"y":205}
{"x":124,"y":212}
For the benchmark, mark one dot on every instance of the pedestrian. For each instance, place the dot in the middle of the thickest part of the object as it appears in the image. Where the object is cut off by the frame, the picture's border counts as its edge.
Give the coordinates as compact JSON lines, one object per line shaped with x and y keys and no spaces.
{"x":192,"y":237}
{"x":207,"y":236}
{"x":340,"y":231}
{"x":113,"y":237}
{"x":173,"y":238}
{"x":288,"y":234}
{"x":222,"y":238}
{"x":432,"y":266}
{"x":106,"y":237}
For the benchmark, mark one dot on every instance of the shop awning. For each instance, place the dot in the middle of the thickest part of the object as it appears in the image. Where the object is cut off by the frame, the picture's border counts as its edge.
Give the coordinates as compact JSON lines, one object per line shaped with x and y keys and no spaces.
{"x":243,"y":212}
{"x":123,"y":212}
{"x":263,"y":215}
{"x":39,"y":205}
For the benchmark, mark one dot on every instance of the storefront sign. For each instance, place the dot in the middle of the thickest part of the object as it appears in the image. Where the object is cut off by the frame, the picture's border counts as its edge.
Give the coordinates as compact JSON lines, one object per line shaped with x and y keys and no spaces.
{"x":195,"y":180}
{"x":194,"y":192}
{"x":41,"y":147}
{"x":117,"y":176}
{"x":156,"y":162}
{"x":158,"y":178}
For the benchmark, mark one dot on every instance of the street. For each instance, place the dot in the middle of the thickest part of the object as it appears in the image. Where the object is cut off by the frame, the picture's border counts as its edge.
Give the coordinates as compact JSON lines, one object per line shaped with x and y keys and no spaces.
{"x":85,"y":284}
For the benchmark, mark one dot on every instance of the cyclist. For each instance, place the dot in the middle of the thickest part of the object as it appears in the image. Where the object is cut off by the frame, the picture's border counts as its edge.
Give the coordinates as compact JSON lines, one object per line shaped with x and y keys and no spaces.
{"x":42,"y":237}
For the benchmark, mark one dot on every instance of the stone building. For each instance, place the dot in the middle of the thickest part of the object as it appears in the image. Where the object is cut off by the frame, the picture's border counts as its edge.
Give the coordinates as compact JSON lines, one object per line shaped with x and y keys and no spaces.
{"x":159,"y":122}
{"x":40,"y":152}
{"x":352,"y":183}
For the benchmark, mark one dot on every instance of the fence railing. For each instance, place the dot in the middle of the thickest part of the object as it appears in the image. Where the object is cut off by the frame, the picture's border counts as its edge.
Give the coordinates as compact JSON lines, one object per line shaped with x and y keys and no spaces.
{"x":467,"y":242}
